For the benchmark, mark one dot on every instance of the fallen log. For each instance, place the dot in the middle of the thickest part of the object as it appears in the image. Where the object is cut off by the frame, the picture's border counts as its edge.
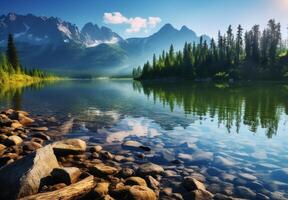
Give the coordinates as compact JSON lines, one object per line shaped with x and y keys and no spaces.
{"x":75,"y":190}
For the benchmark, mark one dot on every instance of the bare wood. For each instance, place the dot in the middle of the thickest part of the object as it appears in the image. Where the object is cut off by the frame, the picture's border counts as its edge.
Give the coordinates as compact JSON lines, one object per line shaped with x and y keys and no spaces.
{"x":66,"y":193}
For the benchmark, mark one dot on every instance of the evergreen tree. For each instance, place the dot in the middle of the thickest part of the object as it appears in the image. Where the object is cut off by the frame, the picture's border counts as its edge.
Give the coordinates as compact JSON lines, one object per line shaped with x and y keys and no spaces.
{"x":12,"y":54}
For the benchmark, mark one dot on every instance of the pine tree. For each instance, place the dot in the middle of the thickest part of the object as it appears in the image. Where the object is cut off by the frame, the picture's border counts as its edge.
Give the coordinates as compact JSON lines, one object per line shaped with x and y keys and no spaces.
{"x":12,"y":54}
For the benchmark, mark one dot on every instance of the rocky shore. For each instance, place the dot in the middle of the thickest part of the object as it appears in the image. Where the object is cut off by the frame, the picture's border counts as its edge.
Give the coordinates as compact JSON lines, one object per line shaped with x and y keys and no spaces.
{"x":36,"y":164}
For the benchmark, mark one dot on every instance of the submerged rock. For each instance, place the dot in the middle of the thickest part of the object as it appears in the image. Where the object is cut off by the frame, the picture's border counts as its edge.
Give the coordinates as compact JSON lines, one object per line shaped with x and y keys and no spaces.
{"x":67,"y":175}
{"x":25,"y":176}
{"x":280,"y":174}
{"x":150,"y":169}
{"x":138,"y":192}
{"x":198,"y":195}
{"x":191,"y":183}
{"x":223,"y":162}
{"x":69,"y":146}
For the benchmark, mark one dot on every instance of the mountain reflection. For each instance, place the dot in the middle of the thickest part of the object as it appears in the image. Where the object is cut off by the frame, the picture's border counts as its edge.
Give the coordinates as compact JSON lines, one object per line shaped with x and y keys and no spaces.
{"x":257,"y":105}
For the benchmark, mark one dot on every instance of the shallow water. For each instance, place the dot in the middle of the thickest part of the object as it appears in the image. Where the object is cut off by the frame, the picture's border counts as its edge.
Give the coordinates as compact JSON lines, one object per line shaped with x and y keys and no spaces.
{"x":235,"y":135}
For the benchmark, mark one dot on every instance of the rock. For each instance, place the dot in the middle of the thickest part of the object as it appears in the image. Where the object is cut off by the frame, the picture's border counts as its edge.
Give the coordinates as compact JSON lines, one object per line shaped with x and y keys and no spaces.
{"x":39,"y":129}
{"x":280,"y":174}
{"x":245,"y":192}
{"x":67,"y":175}
{"x":69,"y":146}
{"x":152,"y":182}
{"x":131,"y":144}
{"x":3,"y":137}
{"x":191,"y":183}
{"x":31,"y":146}
{"x":126,"y":172}
{"x":24,"y":176}
{"x":2,"y":147}
{"x":15,"y":124}
{"x":170,"y":173}
{"x":223,"y":162}
{"x":102,"y":170}
{"x":177,"y":162}
{"x":202,"y":156}
{"x":198,"y":195}
{"x":5,"y":161}
{"x":106,"y":197}
{"x":248,"y":177}
{"x":5,"y":121}
{"x":138,"y":192}
{"x":24,"y":120}
{"x":101,"y":189}
{"x":41,"y":136}
{"x":260,"y":196}
{"x":185,"y":157}
{"x":13,"y":140}
{"x":56,"y":187}
{"x":219,"y":196}
{"x":96,"y":149}
{"x":150,"y":169}
{"x":145,"y":148}
{"x":107,"y":155}
{"x":134,"y":180}
{"x":38,"y":140}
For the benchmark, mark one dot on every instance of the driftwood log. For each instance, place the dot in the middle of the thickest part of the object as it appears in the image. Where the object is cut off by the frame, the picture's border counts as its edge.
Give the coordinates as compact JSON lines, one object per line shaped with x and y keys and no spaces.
{"x":75,"y":190}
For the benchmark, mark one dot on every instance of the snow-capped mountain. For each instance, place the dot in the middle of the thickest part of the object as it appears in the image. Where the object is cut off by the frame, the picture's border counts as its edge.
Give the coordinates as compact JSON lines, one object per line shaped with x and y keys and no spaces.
{"x":43,"y":30}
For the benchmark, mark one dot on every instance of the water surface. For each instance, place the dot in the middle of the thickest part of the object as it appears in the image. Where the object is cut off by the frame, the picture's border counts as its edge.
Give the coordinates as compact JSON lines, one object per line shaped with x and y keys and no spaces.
{"x":226,"y":132}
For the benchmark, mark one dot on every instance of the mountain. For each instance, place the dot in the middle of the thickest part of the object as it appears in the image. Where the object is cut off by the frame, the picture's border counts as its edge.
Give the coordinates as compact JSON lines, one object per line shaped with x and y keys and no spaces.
{"x":53,"y":44}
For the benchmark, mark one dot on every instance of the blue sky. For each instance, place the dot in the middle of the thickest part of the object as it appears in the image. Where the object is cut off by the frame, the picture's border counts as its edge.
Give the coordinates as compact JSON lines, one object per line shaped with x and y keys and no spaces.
{"x":135,"y":18}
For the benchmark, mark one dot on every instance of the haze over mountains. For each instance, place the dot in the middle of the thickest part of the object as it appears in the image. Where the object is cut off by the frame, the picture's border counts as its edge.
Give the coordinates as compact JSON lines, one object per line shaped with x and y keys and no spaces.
{"x":53,"y":44}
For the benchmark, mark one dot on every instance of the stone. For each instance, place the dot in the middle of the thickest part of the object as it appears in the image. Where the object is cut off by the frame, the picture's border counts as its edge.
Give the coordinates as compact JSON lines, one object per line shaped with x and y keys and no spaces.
{"x":150,"y":169}
{"x":5,"y":121}
{"x":39,"y":129}
{"x":248,"y":177}
{"x":191,"y":183}
{"x":13,"y":140}
{"x":261,"y":196}
{"x":25,"y":176}
{"x":198,"y":195}
{"x":202,"y":156}
{"x":2,"y":147}
{"x":31,"y":146}
{"x":96,"y":149}
{"x":223,"y":162}
{"x":145,"y":148}
{"x":69,"y":146}
{"x":101,"y":189}
{"x":138,"y":192}
{"x":126,"y":172}
{"x":185,"y":157}
{"x":42,"y":136}
{"x":132,"y":144}
{"x":152,"y":182}
{"x":24,"y":120}
{"x":245,"y":192}
{"x":134,"y":180}
{"x":102,"y":170}
{"x":67,"y":175}
{"x":15,"y":124}
{"x":177,"y":162}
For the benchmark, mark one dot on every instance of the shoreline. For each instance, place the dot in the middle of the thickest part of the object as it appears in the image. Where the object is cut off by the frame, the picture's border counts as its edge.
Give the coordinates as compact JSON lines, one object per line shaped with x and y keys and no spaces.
{"x":69,"y":162}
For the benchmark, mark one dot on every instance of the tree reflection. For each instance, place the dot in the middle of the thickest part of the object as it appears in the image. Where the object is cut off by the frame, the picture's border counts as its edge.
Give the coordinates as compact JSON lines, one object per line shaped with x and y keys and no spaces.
{"x":257,"y":105}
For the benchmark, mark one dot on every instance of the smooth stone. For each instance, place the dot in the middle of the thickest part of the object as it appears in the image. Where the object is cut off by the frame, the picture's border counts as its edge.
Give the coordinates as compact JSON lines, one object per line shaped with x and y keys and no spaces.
{"x":15,"y":124}
{"x":134,"y":180}
{"x":202,"y":156}
{"x":198,"y":195}
{"x":132,"y":144}
{"x":177,"y":162}
{"x":150,"y":169}
{"x":126,"y":172}
{"x":40,"y":129}
{"x":138,"y":192}
{"x":102,"y":170}
{"x":2,"y":147}
{"x":96,"y":148}
{"x":101,"y":189}
{"x":185,"y":157}
{"x":27,"y":173}
{"x":223,"y":162}
{"x":248,"y":176}
{"x":13,"y":140}
{"x":191,"y":183}
{"x":24,"y":120}
{"x":245,"y":192}
{"x":219,"y":196}
{"x":67,"y":175}
{"x":145,"y":148}
{"x":69,"y":146}
{"x":31,"y":146}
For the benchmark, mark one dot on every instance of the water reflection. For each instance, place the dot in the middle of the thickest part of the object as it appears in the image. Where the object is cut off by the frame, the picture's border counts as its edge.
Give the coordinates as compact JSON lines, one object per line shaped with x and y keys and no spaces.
{"x":257,"y":105}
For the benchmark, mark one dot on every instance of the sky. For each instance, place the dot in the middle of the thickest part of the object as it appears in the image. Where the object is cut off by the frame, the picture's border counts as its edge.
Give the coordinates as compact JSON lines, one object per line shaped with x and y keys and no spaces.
{"x":139,"y":18}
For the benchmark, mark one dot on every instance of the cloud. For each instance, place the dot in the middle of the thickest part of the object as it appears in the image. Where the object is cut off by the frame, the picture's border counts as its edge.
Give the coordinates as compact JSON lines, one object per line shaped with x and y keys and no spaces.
{"x":136,"y":24}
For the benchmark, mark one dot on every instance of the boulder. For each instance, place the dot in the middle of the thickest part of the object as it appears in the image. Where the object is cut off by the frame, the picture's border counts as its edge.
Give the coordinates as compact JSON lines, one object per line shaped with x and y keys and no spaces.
{"x":138,"y":192}
{"x":134,"y":180}
{"x":31,"y":146}
{"x":191,"y":183}
{"x":102,"y":170}
{"x":126,"y":172}
{"x":69,"y":146}
{"x":67,"y":175}
{"x":25,"y":176}
{"x":150,"y":169}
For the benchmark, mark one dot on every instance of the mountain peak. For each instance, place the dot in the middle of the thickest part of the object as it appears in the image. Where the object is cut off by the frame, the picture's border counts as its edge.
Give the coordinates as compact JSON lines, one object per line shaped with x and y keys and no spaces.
{"x":184,"y":28}
{"x":168,"y":26}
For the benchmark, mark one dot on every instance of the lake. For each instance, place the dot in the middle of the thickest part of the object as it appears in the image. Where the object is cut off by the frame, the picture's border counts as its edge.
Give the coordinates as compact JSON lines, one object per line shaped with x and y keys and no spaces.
{"x":233,"y":134}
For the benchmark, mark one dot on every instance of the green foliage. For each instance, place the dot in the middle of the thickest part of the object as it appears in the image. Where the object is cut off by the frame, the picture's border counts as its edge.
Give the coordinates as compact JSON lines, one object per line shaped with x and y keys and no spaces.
{"x":256,"y":56}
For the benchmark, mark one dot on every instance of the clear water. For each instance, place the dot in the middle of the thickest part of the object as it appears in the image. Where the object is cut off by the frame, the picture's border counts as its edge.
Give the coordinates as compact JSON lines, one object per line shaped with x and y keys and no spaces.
{"x":246,"y":124}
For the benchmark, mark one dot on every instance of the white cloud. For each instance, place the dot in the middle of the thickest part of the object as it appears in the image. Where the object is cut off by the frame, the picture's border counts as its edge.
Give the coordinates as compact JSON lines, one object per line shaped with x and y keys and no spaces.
{"x":136,"y":24}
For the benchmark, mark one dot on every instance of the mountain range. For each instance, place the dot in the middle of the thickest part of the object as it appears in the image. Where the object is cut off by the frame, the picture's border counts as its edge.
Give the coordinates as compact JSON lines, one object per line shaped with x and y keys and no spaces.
{"x":53,"y":44}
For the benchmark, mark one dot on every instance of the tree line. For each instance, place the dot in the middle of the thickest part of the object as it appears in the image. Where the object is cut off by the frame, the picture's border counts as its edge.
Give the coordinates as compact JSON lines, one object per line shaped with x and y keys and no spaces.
{"x":10,"y":64}
{"x":251,"y":55}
